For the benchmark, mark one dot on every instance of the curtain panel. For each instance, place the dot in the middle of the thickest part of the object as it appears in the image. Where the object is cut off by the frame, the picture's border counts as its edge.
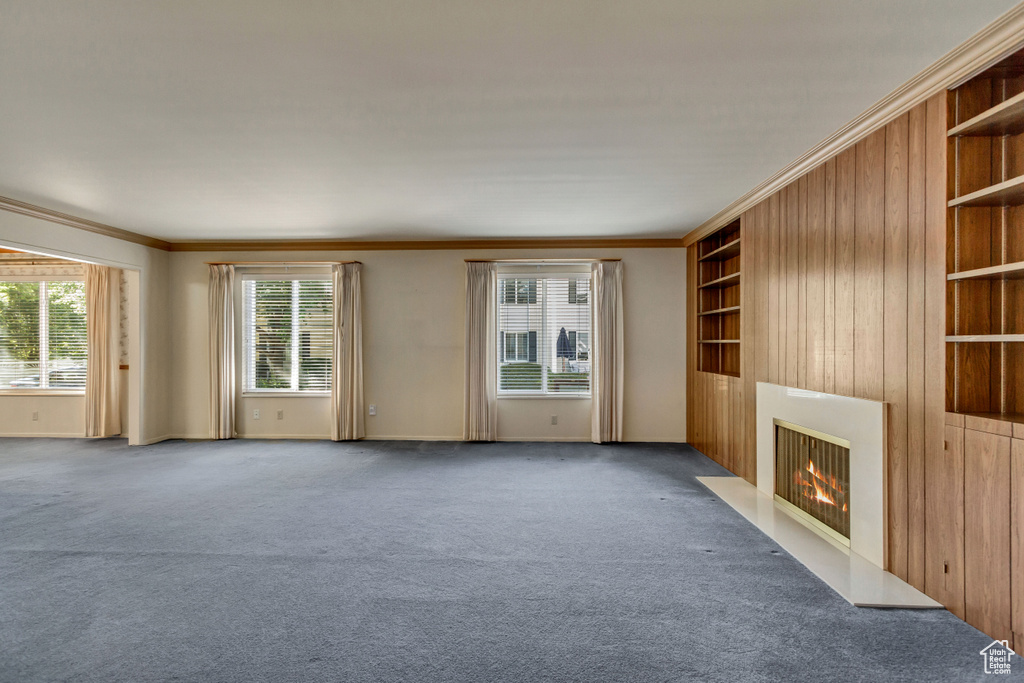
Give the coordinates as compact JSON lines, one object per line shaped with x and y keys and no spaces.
{"x":222,"y":352}
{"x":480,"y":422}
{"x":102,"y":323}
{"x":607,"y":363}
{"x":347,"y":360}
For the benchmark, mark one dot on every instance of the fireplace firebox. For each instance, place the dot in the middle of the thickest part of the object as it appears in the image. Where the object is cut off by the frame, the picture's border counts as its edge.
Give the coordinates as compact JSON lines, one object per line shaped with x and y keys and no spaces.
{"x":812,"y":477}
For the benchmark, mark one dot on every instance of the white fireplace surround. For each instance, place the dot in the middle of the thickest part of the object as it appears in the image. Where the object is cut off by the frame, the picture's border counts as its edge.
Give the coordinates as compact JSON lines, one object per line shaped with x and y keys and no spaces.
{"x":859,"y":421}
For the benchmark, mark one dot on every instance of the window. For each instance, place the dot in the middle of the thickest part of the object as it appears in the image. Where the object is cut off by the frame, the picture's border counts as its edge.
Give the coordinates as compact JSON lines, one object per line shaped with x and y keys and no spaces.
{"x":42,"y":335}
{"x":288,"y":335}
{"x":543,"y":334}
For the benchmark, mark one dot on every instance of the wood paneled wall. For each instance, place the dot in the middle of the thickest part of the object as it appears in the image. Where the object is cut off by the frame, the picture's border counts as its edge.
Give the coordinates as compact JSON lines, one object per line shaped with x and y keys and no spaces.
{"x":843,"y":291}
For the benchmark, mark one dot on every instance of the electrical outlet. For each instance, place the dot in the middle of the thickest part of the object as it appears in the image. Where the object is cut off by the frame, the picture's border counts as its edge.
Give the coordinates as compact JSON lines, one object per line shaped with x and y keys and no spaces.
{"x":256,"y":414}
{"x":554,"y":419}
{"x":373,"y":409}
{"x":280,"y":415}
{"x":35,"y":416}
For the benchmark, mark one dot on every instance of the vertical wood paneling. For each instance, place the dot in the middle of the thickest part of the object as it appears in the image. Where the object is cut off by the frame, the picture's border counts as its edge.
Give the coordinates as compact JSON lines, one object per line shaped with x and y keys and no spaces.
{"x":814,"y":281}
{"x":793,"y":285}
{"x":869,"y":285}
{"x":944,"y":533}
{"x":916,"y":165}
{"x":987,"y":547}
{"x":773,"y":288}
{"x":895,"y":336}
{"x":846,"y":184}
{"x":934,"y":350}
{"x":1017,"y":542}
{"x":783,"y":283}
{"x":829,"y":350}
{"x":801,"y":323}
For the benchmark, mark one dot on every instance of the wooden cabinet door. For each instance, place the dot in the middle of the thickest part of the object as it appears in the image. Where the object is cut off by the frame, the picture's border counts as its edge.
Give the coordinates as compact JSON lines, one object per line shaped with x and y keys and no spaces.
{"x":1017,"y":542}
{"x":987,"y":532}
{"x":944,"y":529}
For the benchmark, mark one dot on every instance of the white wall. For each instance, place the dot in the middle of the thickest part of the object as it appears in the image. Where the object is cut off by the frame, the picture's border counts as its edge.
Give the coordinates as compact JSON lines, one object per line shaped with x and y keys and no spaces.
{"x":150,"y":371}
{"x":414,"y":308}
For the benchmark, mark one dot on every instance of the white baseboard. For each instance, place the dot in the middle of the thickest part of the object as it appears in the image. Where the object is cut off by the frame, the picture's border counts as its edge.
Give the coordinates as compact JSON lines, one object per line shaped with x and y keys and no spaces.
{"x":41,"y":435}
{"x":573,"y":439}
{"x":412,"y":438}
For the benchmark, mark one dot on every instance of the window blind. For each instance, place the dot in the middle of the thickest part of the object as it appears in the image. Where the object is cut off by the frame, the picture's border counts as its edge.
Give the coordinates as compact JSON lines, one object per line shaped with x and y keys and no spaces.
{"x":42,"y":335}
{"x":288,"y":336}
{"x":544,"y":334}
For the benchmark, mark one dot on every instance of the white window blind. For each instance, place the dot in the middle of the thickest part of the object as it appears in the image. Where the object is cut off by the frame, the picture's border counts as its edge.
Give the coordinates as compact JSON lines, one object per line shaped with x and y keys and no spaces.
{"x":288,"y":337}
{"x":42,"y":335}
{"x":544,"y":334}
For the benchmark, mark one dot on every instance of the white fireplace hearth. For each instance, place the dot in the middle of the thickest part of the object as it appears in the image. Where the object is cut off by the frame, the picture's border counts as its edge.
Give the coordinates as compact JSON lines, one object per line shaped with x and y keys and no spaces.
{"x":855,"y":572}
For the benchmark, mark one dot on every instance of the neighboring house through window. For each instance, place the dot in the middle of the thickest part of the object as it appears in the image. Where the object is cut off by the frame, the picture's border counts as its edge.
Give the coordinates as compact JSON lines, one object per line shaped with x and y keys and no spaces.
{"x":287,"y":334}
{"x":42,"y":334}
{"x":543,"y":333}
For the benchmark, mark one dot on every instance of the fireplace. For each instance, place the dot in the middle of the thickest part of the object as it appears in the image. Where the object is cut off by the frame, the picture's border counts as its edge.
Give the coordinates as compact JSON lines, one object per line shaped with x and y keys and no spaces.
{"x":812,"y":477}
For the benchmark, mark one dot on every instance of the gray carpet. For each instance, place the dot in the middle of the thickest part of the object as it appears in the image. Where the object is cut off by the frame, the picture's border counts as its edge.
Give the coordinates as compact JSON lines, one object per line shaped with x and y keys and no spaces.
{"x":410,"y":561}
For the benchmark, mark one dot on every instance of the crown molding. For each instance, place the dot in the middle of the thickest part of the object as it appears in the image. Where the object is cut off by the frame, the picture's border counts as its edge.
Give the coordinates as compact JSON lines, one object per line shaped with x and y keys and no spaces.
{"x":989,"y":45}
{"x":26,"y":209}
{"x":425,"y":245}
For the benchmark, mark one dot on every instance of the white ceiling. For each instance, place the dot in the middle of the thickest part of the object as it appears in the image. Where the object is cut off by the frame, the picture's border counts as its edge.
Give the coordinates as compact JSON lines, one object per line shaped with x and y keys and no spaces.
{"x":380,"y":119}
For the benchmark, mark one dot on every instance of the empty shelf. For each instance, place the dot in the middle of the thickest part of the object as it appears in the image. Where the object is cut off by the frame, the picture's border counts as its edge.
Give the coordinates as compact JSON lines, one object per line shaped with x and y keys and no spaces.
{"x":724,"y":252}
{"x":722,"y":282}
{"x":719,"y":341}
{"x":1006,"y":118}
{"x":996,"y":338}
{"x":1007,"y":271}
{"x":1009,"y":193}
{"x":721,"y":311}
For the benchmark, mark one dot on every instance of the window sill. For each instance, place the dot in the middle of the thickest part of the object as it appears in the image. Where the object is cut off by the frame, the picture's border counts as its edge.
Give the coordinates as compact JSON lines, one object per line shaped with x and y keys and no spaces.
{"x":286,"y":394}
{"x":42,"y":392}
{"x":502,"y":397}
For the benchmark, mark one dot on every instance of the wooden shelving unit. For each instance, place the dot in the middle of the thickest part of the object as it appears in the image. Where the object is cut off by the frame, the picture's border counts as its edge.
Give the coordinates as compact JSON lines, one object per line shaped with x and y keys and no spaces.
{"x":718,"y":302}
{"x":985,"y":253}
{"x":974,"y":479}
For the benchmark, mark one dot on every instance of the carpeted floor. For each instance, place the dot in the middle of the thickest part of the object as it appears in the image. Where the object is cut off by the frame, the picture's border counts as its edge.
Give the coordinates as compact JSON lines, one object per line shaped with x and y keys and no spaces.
{"x":410,"y":561}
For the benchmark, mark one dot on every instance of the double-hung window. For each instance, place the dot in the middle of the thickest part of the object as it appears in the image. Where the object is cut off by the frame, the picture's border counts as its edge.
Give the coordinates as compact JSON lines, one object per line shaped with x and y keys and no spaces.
{"x":287,"y":333}
{"x":543,"y":332}
{"x":42,"y":334}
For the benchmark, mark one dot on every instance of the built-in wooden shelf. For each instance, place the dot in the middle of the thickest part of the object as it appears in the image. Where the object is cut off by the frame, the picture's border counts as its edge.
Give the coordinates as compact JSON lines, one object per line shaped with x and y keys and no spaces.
{"x":1009,"y":193}
{"x":721,"y":311}
{"x":722,"y":282}
{"x":1007,"y":271}
{"x":991,"y":338}
{"x":1006,"y":118}
{"x":724,"y":252}
{"x":719,"y":341}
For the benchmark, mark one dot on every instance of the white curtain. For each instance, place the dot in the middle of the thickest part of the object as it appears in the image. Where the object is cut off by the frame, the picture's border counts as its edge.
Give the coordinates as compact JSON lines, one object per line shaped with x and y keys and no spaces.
{"x":222,"y":352}
{"x":347,"y":360}
{"x":481,"y":413}
{"x":607,"y":362}
{"x":102,"y":379}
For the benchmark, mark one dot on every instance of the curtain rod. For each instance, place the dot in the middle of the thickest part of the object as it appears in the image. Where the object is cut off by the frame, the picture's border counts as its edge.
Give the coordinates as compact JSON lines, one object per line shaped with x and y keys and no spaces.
{"x":279,"y":263}
{"x":553,"y":261}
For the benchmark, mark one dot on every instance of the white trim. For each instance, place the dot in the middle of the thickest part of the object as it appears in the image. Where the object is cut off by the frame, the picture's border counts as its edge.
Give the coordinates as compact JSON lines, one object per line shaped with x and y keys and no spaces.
{"x":43,"y":435}
{"x":527,"y":439}
{"x":502,"y":397}
{"x":987,"y":46}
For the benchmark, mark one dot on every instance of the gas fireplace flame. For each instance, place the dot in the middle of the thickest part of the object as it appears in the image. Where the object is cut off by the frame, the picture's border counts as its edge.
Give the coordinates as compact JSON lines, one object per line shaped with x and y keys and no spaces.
{"x":819,"y":487}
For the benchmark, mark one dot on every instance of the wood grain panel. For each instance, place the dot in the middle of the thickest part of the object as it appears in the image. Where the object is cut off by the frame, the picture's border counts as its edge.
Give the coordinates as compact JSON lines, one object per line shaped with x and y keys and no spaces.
{"x":944,"y":534}
{"x":916,"y":165}
{"x":944,"y":524}
{"x":987,"y":543}
{"x":773,"y":288}
{"x":846,"y":189}
{"x":792,"y":261}
{"x":1017,"y":542}
{"x":869,"y":268}
{"x":829,"y":350}
{"x":895,"y":337}
{"x":814,"y":281}
{"x":803,"y":201}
